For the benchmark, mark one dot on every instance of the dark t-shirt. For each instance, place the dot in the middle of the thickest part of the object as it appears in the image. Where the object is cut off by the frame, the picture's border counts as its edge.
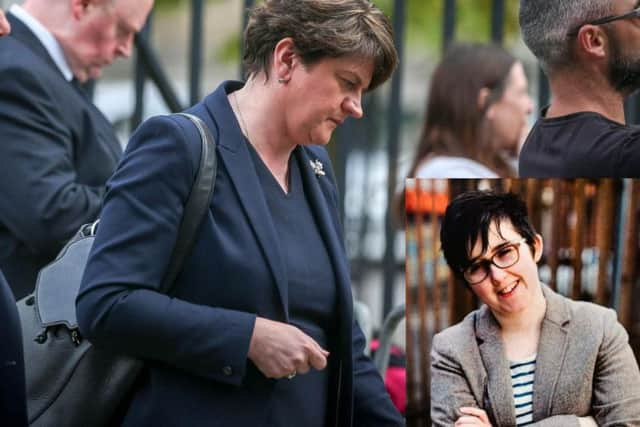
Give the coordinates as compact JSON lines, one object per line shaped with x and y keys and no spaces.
{"x":580,"y":145}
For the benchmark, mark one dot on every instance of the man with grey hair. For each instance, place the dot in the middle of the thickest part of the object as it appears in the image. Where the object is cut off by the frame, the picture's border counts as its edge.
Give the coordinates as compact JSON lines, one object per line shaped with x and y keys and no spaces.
{"x":590,"y":52}
{"x":56,"y":149}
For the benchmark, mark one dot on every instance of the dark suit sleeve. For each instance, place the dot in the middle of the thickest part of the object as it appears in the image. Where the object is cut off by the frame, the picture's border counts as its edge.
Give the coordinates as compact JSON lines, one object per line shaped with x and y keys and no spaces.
{"x":372,"y":405}
{"x":119,"y":306}
{"x":41,"y":203}
{"x":13,"y":403}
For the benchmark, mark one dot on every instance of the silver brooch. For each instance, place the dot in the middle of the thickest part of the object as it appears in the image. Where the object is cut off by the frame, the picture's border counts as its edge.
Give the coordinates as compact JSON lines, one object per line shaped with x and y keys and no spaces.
{"x":317,"y":166}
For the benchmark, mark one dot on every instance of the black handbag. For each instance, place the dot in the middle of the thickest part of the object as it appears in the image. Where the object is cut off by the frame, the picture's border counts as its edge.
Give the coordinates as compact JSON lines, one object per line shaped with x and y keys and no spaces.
{"x":69,"y":382}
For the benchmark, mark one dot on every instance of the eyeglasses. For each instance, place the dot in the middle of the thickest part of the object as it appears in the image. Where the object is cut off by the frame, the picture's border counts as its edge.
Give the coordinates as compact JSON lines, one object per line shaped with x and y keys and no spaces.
{"x":505,"y":256}
{"x":635,"y":13}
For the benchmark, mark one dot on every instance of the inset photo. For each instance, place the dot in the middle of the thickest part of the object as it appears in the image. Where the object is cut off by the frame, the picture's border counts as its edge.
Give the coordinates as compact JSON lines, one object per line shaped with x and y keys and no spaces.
{"x":522,"y":300}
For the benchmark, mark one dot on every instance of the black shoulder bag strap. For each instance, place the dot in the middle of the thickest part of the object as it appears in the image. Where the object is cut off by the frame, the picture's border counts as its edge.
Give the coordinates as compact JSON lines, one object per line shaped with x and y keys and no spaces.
{"x":53,"y":304}
{"x":55,"y":301}
{"x":197,"y":204}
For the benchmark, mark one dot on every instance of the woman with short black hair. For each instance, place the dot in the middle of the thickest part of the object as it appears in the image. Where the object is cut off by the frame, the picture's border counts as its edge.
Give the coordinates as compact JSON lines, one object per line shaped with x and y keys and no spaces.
{"x":528,"y":356}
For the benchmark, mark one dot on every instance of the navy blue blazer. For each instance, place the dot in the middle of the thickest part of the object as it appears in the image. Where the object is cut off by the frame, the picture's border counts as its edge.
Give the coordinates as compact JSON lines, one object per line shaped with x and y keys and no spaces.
{"x":13,"y":403}
{"x":56,"y":153}
{"x":196,"y":341}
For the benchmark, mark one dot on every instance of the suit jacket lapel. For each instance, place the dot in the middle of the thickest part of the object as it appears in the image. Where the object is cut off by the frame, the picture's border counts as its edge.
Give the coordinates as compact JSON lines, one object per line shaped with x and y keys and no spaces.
{"x":492,"y":352}
{"x":237,"y":160}
{"x":316,"y":188}
{"x":551,"y":353}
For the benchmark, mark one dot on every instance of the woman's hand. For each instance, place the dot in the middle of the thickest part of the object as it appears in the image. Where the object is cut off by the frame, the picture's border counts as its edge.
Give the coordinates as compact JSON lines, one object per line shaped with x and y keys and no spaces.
{"x":472,"y":417}
{"x":280,"y":350}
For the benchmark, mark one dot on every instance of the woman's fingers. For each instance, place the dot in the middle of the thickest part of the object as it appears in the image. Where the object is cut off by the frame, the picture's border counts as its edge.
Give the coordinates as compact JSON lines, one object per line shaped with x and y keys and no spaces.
{"x":280,"y":350}
{"x":318,"y":357}
{"x":477,"y":413}
{"x":468,"y":420}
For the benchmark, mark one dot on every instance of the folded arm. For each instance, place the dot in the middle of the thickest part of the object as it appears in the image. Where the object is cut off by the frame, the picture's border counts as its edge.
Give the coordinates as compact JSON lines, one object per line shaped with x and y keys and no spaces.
{"x":450,"y":391}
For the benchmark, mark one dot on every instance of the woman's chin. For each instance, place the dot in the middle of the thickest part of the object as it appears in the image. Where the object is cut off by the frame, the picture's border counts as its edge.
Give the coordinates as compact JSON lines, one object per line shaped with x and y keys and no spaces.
{"x":319,"y":138}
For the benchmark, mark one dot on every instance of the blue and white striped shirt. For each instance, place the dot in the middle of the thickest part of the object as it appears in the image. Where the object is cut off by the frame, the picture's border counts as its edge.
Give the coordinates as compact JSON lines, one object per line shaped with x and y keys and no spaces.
{"x":522,"y":376}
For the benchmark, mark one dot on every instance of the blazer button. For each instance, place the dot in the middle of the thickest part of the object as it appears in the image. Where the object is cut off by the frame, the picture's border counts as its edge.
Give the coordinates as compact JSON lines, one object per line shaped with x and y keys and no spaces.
{"x":227,"y":371}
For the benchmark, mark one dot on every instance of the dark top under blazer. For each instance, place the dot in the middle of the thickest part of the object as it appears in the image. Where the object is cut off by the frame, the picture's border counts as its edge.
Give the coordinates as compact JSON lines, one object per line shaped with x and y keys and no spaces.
{"x":196,"y":343}
{"x":56,"y":153}
{"x":584,"y":366}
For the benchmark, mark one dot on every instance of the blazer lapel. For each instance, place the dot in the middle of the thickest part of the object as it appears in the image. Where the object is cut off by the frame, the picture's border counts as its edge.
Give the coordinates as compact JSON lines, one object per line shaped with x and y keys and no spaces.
{"x":316,"y":188}
{"x":551,"y":354}
{"x":498,"y":388}
{"x":235,"y":156}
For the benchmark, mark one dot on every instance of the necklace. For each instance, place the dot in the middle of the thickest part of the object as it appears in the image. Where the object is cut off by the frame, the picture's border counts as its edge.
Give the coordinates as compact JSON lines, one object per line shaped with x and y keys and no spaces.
{"x":284,"y":182}
{"x":243,"y":124}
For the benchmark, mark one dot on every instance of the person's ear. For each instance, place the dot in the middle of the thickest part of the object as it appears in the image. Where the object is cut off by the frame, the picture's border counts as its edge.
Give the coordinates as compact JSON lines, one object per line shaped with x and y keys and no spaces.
{"x":537,"y":247}
{"x":79,"y":7}
{"x":285,"y":59}
{"x":592,"y":41}
{"x":483,"y":100}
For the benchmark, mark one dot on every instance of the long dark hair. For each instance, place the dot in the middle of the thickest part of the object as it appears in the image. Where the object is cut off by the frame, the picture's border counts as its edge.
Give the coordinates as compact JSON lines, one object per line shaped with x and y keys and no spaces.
{"x":455,"y":124}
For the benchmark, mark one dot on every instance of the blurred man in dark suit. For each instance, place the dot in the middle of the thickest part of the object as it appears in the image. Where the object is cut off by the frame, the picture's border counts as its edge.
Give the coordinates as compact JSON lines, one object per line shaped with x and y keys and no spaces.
{"x":56,"y":149}
{"x":13,"y":404}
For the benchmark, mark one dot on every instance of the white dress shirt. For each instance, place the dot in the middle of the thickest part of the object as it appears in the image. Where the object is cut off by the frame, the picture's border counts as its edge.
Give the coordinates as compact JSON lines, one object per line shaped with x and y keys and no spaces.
{"x":46,"y":38}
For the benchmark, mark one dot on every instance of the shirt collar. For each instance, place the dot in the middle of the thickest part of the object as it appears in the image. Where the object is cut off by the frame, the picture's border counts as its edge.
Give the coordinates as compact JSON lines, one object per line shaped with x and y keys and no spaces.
{"x":46,"y":38}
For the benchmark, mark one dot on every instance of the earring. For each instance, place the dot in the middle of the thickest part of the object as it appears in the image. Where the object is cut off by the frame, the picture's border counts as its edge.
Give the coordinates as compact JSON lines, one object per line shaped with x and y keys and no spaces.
{"x":283,"y":81}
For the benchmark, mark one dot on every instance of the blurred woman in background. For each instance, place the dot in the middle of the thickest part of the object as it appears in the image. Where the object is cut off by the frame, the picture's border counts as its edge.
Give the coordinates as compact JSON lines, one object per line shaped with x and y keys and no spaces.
{"x":476,"y":115}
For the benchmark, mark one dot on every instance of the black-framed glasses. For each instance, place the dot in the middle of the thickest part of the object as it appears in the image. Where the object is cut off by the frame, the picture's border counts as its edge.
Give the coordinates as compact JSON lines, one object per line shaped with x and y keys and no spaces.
{"x":504,"y":256}
{"x":635,"y":13}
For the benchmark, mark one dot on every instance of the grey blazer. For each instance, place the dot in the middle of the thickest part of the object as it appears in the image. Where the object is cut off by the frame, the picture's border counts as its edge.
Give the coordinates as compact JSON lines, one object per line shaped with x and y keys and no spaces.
{"x":584,"y":367}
